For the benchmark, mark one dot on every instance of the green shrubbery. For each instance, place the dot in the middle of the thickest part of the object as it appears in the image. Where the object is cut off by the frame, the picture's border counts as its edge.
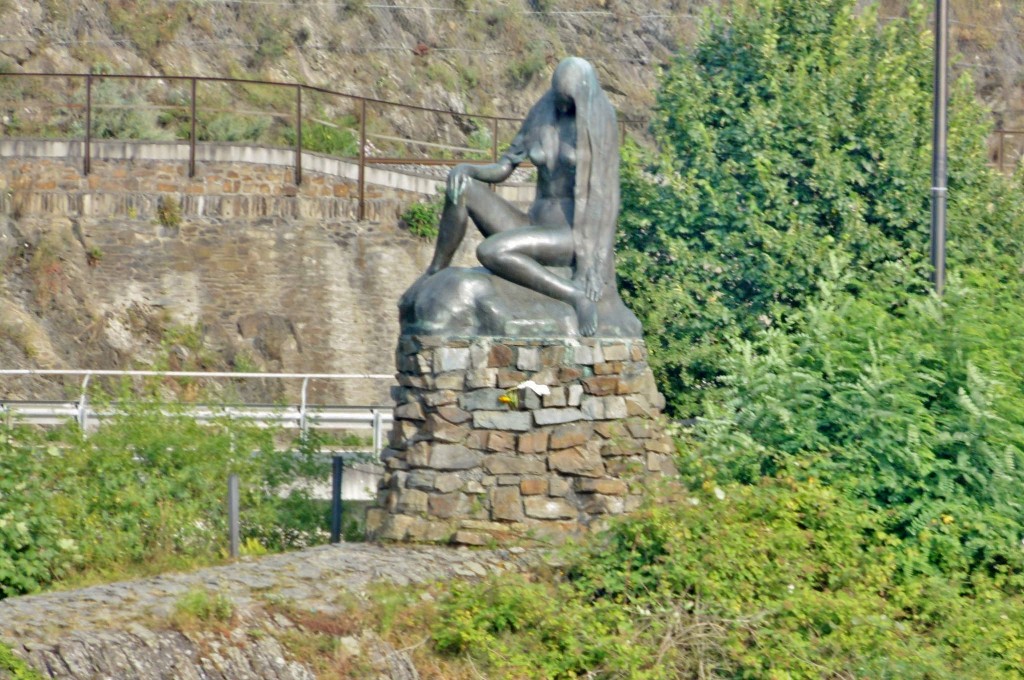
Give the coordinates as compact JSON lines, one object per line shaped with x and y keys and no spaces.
{"x":782,"y":579}
{"x":850,"y":503}
{"x":144,"y":491}
{"x":423,"y":218}
{"x":917,"y":413}
{"x":796,"y":132}
{"x":336,"y":139}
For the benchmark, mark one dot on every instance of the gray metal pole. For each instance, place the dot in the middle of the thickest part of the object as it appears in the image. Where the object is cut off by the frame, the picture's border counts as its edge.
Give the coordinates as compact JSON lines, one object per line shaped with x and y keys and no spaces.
{"x":337,"y":471}
{"x":939,"y":154}
{"x":233,"y":516}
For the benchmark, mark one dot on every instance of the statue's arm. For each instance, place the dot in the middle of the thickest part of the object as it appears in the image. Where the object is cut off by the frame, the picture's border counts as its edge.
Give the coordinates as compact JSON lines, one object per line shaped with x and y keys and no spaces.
{"x":458,"y":178}
{"x":495,"y":172}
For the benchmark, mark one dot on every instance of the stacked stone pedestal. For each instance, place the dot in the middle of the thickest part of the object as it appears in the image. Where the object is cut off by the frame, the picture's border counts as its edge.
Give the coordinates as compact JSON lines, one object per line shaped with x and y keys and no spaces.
{"x":475,"y":458}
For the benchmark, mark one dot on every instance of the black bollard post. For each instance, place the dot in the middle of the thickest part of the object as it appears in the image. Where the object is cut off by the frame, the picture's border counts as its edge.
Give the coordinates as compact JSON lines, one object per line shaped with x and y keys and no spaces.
{"x":337,"y":471}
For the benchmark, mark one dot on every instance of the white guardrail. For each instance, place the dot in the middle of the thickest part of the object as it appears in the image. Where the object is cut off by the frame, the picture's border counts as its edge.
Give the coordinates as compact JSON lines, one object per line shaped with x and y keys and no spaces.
{"x":301,"y":416}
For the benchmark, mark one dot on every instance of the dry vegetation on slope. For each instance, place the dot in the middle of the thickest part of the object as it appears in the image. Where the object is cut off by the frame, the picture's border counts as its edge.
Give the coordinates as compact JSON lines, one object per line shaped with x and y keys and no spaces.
{"x":463,"y":55}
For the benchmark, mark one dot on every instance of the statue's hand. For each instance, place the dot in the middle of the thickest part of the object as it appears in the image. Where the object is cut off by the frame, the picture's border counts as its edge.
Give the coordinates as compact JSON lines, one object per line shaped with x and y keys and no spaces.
{"x":592,"y":282}
{"x":458,"y":182}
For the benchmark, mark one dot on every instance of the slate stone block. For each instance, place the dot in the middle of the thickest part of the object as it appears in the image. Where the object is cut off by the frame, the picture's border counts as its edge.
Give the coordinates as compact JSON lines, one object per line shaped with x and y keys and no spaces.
{"x":453,"y":457}
{"x":528,"y":359}
{"x":615,"y":351}
{"x":543,"y":507}
{"x":506,"y":504}
{"x":556,"y":416}
{"x":483,"y":400}
{"x":451,"y":359}
{"x":499,"y":464}
{"x":516,"y":421}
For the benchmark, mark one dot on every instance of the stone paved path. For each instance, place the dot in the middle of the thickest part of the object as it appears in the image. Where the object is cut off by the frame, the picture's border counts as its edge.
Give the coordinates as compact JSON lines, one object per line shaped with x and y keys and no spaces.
{"x":108,"y":631}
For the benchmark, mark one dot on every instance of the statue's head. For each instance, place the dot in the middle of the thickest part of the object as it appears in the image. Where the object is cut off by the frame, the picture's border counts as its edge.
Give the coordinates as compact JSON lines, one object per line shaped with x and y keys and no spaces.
{"x":572,"y":82}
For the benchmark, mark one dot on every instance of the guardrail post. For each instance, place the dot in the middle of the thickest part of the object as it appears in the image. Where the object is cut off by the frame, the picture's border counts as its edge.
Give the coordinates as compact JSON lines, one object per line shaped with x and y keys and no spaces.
{"x":87,"y":161}
{"x":378,"y":434}
{"x":83,"y":404}
{"x":192,"y":133}
{"x":298,"y":134}
{"x":233,"y":520}
{"x":337,"y":475}
{"x":362,"y":160}
{"x":302,"y":408}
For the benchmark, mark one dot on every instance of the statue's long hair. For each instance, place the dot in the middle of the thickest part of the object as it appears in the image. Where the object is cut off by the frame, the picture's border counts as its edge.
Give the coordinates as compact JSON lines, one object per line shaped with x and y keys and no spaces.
{"x":596,"y":197}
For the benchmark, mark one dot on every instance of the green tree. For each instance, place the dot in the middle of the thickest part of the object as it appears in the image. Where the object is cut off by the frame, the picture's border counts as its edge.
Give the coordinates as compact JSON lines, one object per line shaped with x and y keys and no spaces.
{"x":793,"y":131}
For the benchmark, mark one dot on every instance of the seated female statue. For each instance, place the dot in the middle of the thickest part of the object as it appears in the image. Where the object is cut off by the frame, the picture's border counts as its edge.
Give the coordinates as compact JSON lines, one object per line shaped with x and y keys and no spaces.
{"x":570,"y":135}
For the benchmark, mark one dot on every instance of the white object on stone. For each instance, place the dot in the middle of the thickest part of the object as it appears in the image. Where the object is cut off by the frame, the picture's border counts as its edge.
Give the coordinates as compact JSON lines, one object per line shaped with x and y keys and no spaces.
{"x":538,"y":389}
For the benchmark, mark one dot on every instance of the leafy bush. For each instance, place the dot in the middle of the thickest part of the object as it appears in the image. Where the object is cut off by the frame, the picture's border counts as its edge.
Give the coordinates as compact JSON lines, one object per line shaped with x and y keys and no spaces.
{"x":521,"y":629}
{"x":901,"y":410}
{"x":423,"y":218}
{"x":783,"y":579}
{"x":168,"y":212}
{"x":336,"y":139}
{"x":122,"y":110}
{"x":522,"y":70}
{"x":35,"y":547}
{"x":795,"y":131}
{"x":143,"y":491}
{"x":228,"y":127}
{"x":271,"y":33}
{"x":200,"y":607}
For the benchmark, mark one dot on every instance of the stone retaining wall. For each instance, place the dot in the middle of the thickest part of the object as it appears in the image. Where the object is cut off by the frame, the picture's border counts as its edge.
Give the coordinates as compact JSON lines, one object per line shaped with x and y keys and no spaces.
{"x":34,"y":186}
{"x":474,"y":459}
{"x":44,"y":177}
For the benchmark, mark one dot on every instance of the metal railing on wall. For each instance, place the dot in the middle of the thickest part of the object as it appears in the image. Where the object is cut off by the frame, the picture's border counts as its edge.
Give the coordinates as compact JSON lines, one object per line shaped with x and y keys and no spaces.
{"x":1008,"y":159}
{"x":465,"y":137}
{"x":302,"y":416}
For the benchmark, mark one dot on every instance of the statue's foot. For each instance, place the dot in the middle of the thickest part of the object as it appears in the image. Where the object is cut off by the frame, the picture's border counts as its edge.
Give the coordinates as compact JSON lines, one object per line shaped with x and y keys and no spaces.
{"x":586,"y":315}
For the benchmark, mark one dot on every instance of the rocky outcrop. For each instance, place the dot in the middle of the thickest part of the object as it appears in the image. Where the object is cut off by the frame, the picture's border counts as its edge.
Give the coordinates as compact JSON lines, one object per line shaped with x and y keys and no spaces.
{"x":129,"y":630}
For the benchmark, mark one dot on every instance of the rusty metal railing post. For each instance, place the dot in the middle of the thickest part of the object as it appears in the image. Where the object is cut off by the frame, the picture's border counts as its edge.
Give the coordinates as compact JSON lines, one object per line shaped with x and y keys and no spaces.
{"x":192,"y":132}
{"x":362,"y":159}
{"x":1002,"y":150}
{"x":298,"y":134}
{"x":494,"y":140}
{"x":86,"y":162}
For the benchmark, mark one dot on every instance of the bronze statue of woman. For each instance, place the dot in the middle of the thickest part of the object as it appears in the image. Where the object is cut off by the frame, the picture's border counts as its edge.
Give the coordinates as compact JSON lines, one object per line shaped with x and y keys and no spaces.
{"x":570,"y":135}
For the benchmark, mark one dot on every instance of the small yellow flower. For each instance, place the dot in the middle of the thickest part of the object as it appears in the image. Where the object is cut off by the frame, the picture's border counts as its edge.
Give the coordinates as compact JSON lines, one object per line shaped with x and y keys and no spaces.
{"x":947,"y":519}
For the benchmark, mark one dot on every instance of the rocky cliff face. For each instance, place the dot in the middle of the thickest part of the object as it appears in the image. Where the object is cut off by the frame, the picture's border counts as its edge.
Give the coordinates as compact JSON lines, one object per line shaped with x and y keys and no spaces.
{"x":461,"y":55}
